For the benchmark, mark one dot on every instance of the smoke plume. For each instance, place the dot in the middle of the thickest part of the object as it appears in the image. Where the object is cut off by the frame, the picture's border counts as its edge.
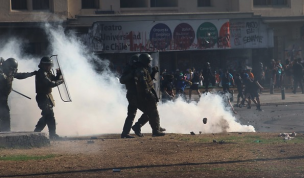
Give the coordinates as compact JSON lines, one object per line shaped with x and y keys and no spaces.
{"x":98,"y":99}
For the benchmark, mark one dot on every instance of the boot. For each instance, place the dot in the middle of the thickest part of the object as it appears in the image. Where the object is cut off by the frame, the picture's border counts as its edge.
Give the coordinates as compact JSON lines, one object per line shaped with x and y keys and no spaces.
{"x":137,"y":130}
{"x":162,"y":129}
{"x":259,"y":107}
{"x":126,"y":136}
{"x":157,"y":133}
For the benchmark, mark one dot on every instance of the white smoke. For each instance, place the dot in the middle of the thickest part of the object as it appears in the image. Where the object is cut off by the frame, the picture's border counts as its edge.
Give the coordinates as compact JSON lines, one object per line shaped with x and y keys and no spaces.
{"x":98,"y":100}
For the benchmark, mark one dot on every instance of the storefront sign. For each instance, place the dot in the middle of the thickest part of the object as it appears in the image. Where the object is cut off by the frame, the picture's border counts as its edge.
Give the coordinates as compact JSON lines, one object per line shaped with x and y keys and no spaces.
{"x":175,"y":35}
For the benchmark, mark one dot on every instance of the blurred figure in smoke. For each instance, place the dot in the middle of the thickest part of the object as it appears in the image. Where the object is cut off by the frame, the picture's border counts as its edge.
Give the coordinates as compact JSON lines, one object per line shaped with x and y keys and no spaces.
{"x":147,"y":97}
{"x":8,"y":71}
{"x":167,"y":88}
{"x":45,"y":81}
{"x":208,"y":76}
{"x":239,"y":85}
{"x":297,"y":75}
{"x":181,"y":84}
{"x":196,"y":79}
{"x":128,"y":78}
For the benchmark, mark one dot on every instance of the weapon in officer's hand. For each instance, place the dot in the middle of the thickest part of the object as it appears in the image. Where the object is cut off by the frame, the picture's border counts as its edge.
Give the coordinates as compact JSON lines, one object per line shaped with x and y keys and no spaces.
{"x":64,"y":84}
{"x":21,"y":94}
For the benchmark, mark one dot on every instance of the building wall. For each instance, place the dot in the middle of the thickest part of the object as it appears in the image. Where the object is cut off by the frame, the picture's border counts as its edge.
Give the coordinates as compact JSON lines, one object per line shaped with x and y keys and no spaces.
{"x":58,"y":11}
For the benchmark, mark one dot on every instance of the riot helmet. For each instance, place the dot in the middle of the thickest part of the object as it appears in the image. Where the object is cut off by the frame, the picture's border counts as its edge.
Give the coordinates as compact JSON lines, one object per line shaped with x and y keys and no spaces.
{"x":46,"y":61}
{"x":145,"y":59}
{"x":134,"y":59}
{"x":10,"y":65}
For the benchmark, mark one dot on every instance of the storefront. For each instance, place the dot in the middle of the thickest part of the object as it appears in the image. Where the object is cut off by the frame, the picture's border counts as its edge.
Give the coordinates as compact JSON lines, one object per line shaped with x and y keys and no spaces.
{"x":183,"y":44}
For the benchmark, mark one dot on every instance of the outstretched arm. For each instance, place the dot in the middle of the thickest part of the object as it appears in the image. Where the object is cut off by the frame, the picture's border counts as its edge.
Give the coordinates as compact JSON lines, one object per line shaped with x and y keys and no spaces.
{"x":24,"y":75}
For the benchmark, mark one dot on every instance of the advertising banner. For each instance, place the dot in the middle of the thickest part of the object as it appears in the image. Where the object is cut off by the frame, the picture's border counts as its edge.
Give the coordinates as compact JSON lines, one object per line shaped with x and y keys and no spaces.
{"x":176,"y":35}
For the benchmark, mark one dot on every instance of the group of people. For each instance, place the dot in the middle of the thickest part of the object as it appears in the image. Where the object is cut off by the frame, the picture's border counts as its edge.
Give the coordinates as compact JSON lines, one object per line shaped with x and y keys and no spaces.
{"x":45,"y":80}
{"x":138,"y":79}
{"x":180,"y":80}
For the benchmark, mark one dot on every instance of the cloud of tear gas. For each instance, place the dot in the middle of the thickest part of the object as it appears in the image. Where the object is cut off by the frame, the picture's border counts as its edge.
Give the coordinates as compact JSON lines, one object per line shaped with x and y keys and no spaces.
{"x":98,"y":99}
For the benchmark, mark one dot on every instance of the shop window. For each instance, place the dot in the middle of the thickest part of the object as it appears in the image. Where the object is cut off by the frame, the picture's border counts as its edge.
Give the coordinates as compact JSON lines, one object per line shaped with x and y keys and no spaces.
{"x":41,"y":4}
{"x":133,"y":3}
{"x":19,"y":4}
{"x":90,"y":4}
{"x":270,"y":2}
{"x":163,"y":3}
{"x":203,"y":3}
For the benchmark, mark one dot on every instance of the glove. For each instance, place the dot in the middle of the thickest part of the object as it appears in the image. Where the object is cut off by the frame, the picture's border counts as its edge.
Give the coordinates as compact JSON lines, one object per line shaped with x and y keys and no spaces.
{"x":58,"y":82}
{"x":34,"y":73}
{"x":155,"y":69}
{"x":58,"y":72}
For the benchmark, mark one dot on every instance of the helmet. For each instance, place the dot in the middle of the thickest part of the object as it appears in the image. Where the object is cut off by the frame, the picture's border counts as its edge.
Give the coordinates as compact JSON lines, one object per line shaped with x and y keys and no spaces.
{"x":46,"y":60}
{"x":10,"y":64}
{"x":145,"y":59}
{"x":134,"y":59}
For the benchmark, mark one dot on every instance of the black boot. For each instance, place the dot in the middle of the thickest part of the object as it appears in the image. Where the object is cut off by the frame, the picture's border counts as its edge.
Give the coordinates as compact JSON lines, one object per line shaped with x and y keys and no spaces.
{"x":137,"y":130}
{"x":157,"y":133}
{"x":259,"y":107}
{"x":162,"y":129}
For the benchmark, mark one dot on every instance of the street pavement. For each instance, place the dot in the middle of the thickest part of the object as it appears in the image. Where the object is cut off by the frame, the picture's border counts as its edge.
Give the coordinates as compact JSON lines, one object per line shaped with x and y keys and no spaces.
{"x":277,"y":115}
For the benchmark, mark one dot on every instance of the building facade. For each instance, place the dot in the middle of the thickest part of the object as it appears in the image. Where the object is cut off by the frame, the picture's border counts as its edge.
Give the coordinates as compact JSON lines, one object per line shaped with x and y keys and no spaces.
{"x":277,"y":24}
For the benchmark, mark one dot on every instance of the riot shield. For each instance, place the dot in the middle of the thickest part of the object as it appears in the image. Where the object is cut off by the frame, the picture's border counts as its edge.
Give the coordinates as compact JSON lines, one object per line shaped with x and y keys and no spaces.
{"x":63,"y":88}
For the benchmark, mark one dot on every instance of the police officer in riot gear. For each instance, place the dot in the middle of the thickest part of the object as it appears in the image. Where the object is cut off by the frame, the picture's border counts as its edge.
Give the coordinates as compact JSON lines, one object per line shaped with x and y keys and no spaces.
{"x":128,"y":78}
{"x":8,"y":71}
{"x":146,"y":95}
{"x":45,"y":81}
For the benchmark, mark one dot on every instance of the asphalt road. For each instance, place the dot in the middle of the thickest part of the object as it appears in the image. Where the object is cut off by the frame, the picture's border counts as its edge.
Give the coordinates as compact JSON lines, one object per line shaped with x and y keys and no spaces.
{"x":274,"y":118}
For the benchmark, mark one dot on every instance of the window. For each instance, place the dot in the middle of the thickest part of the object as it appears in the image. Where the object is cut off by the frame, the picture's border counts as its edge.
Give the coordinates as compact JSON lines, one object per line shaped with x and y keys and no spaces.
{"x":19,"y":4}
{"x":203,"y":3}
{"x":133,"y":3}
{"x":41,"y":4}
{"x":270,"y":2}
{"x":163,"y":3}
{"x":90,"y":4}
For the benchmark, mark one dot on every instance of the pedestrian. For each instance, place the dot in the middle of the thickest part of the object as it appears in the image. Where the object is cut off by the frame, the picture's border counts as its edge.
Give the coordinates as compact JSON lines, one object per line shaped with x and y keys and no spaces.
{"x":288,"y":73}
{"x":227,"y":80}
{"x":279,"y":74}
{"x":239,"y":85}
{"x":8,"y":71}
{"x":167,"y":88}
{"x":181,"y":84}
{"x":45,"y":81}
{"x":197,"y":78}
{"x":208,"y":76}
{"x":297,"y":75}
{"x":273,"y":68}
{"x":146,"y":95}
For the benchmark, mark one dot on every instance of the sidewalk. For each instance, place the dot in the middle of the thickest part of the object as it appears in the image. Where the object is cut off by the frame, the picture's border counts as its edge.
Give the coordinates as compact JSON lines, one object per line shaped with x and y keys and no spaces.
{"x":267,"y":98}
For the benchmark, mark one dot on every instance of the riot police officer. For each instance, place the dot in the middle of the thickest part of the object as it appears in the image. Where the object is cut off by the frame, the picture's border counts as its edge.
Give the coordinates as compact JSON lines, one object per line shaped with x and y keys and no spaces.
{"x":8,"y":71}
{"x":45,"y":81}
{"x":128,"y":78}
{"x":146,"y":95}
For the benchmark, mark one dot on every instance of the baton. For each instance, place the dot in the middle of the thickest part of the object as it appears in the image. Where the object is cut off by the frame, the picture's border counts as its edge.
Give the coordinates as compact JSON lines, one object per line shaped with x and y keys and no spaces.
{"x":21,"y":94}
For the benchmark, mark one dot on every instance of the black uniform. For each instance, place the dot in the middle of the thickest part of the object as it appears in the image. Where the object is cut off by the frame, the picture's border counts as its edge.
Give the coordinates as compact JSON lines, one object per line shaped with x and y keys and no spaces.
{"x":5,"y":90}
{"x":128,"y":78}
{"x":208,"y":77}
{"x":45,"y":81}
{"x":147,"y":98}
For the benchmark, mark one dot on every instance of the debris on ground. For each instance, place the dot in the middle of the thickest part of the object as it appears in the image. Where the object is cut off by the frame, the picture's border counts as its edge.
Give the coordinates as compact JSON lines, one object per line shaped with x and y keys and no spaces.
{"x":90,"y":142}
{"x":288,"y":136}
{"x":116,"y":170}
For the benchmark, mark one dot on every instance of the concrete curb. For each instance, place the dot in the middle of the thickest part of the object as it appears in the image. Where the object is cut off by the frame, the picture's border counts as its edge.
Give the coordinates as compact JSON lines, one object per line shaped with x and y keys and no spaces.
{"x":23,"y":139}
